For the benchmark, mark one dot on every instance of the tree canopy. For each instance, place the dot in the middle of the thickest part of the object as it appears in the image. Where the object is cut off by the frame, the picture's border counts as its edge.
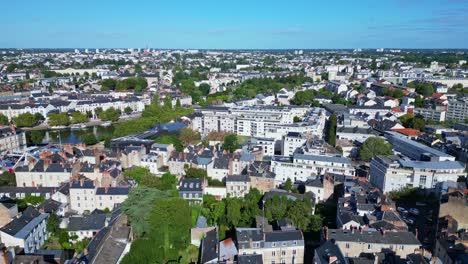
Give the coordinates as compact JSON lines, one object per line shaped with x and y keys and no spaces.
{"x":3,"y":119}
{"x":59,"y":119}
{"x":374,"y":146}
{"x":26,"y":120}
{"x":78,"y":117}
{"x":231,"y":142}
{"x":110,"y":114}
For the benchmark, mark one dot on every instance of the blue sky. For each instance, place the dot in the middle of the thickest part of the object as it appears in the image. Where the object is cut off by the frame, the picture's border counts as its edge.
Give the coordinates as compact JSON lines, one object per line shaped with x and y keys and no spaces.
{"x":254,"y":24}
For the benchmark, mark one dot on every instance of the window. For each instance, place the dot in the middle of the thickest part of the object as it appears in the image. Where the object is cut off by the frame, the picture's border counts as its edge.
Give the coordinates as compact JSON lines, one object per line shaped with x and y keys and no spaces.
{"x":369,"y":246}
{"x":273,"y":253}
{"x":422,"y":180}
{"x":283,"y":253}
{"x":347,"y":245}
{"x":294,"y":252}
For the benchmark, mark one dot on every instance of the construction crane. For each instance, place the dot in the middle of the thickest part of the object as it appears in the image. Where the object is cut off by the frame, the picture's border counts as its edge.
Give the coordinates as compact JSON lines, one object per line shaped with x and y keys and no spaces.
{"x":24,"y":156}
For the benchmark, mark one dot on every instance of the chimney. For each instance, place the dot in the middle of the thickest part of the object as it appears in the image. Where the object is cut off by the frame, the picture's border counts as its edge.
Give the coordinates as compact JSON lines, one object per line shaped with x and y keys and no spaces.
{"x":81,"y":182}
{"x":332,"y":259}
{"x":325,"y":231}
{"x":106,"y":189}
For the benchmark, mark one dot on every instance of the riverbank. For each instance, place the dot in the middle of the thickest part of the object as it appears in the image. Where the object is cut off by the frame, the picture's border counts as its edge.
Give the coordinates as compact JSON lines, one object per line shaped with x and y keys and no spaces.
{"x":89,"y":124}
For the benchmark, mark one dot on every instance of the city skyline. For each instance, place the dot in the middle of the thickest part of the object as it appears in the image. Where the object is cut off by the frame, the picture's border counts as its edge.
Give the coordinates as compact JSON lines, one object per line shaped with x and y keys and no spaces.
{"x":257,"y":25}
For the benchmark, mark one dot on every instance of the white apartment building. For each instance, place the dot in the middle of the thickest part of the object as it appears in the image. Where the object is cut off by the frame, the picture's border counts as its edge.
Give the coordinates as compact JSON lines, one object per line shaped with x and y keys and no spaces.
{"x":458,"y":109}
{"x":415,"y":150}
{"x":85,"y":196}
{"x":390,"y":173}
{"x":43,"y":173}
{"x":256,"y":121}
{"x":267,"y":145}
{"x":11,"y":140}
{"x":291,"y":142}
{"x":273,"y":246}
{"x":27,"y":231}
{"x":303,"y":166}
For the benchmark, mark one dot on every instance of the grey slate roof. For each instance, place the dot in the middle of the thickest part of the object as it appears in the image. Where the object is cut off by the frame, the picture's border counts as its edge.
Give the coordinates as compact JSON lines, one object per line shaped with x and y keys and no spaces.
{"x":375,"y":237}
{"x":277,"y":236}
{"x":209,"y":250}
{"x":20,"y":227}
{"x":191,"y":185}
{"x":328,"y":249}
{"x":250,"y":259}
{"x":88,"y":222}
{"x":238,"y":178}
{"x":112,"y":190}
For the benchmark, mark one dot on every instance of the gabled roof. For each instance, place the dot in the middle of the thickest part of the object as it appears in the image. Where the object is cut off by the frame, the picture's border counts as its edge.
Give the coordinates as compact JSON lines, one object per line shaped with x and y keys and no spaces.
{"x":209,"y":250}
{"x":88,"y":222}
{"x":21,"y":227}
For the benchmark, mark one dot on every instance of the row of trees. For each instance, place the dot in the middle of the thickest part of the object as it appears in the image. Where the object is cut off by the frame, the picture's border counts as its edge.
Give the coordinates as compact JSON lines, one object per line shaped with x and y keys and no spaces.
{"x":152,"y":115}
{"x":28,"y":119}
{"x":424,"y":89}
{"x":137,"y":84}
{"x":413,"y":121}
{"x":110,"y":114}
{"x":161,"y":224}
{"x":144,"y":177}
{"x":308,"y":97}
{"x":250,"y":88}
{"x":241,"y":212}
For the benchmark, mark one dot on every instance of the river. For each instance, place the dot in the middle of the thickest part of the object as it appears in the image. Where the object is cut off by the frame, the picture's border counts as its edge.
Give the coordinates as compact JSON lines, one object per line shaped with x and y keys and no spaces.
{"x":73,"y":136}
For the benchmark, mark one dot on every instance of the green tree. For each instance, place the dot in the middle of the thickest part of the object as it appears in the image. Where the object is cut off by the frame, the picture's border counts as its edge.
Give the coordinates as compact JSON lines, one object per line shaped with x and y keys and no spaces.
{"x":419,"y":102}
{"x":188,"y":136}
{"x":7,"y":179}
{"x":288,"y":185}
{"x":168,"y":102}
{"x":3,"y":119}
{"x":128,"y":110}
{"x":90,"y":139}
{"x":204,"y":88}
{"x":53,"y":224}
{"x":195,"y":173}
{"x":331,"y":130}
{"x":78,"y":117}
{"x":412,"y":121}
{"x":36,"y":136}
{"x":169,"y":221}
{"x":374,"y":146}
{"x":60,"y":119}
{"x":233,"y":211}
{"x":110,"y":114}
{"x":25,"y":120}
{"x":230,"y":142}
{"x":39,"y":117}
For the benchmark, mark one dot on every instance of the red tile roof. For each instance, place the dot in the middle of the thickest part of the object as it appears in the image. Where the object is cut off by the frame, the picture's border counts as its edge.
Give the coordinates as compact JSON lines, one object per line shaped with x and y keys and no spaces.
{"x":407,"y":131}
{"x":397,"y":110}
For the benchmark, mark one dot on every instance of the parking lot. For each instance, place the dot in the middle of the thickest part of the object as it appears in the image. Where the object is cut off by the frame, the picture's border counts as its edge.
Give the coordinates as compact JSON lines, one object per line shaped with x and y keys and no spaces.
{"x":425,"y":221}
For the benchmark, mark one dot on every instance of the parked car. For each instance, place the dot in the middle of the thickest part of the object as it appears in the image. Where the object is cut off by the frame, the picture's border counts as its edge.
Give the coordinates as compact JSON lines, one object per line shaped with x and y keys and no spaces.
{"x":414,"y":211}
{"x":409,"y":220}
{"x":402,"y":210}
